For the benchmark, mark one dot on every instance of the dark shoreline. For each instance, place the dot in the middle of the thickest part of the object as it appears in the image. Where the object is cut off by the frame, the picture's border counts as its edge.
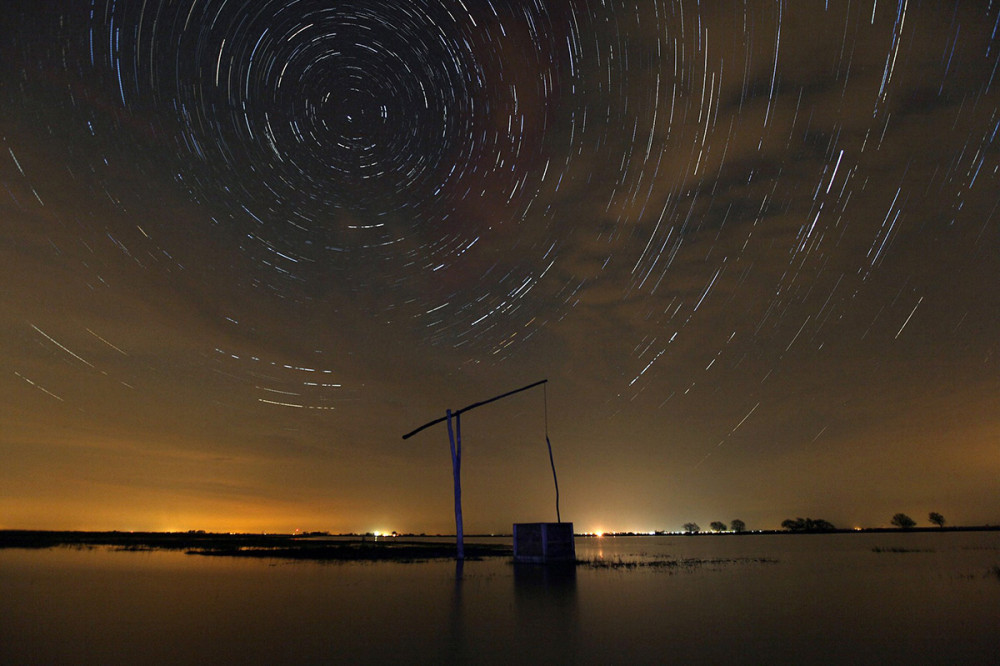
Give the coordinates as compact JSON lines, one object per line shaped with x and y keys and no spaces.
{"x":861,"y":530}
{"x":338,"y":548}
{"x":282,"y":546}
{"x":352,"y":546}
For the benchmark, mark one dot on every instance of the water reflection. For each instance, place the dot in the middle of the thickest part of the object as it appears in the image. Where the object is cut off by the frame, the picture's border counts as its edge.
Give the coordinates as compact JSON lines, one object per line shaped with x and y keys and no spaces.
{"x":890,"y":597}
{"x":547,"y":613}
{"x":554,"y":583}
{"x":455,"y":640}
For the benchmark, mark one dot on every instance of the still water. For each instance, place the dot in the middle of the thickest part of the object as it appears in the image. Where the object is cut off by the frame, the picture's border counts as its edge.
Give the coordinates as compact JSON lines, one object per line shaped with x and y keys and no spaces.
{"x":757,"y":599}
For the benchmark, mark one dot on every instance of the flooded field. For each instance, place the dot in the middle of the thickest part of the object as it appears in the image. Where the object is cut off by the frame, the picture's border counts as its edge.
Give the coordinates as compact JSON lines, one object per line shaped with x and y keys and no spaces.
{"x":837,"y":598}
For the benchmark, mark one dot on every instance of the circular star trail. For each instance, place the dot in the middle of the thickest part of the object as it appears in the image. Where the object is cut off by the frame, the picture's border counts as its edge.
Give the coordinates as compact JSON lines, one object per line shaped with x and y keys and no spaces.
{"x":483,"y":168}
{"x":373,"y":143}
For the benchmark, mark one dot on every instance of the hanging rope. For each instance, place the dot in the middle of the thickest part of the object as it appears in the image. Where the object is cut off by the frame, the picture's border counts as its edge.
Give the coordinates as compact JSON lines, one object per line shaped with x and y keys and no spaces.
{"x":552,"y":462}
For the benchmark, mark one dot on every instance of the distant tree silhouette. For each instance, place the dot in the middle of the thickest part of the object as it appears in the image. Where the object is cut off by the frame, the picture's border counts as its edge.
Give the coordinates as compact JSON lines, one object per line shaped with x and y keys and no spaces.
{"x":738,"y":525}
{"x":718,"y":526}
{"x":807,"y":525}
{"x":903,"y":521}
{"x":936,"y":518}
{"x":691,"y":528}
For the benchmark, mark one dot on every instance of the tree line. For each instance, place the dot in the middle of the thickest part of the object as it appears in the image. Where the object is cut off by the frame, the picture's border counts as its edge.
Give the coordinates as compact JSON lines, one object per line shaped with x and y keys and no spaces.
{"x":736,"y":525}
{"x":900,"y":520}
{"x":903,"y":521}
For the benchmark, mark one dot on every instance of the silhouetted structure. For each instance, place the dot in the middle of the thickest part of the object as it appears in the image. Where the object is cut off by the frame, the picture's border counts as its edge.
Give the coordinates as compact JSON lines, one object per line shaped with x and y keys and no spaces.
{"x":455,"y":439}
{"x":543,"y":543}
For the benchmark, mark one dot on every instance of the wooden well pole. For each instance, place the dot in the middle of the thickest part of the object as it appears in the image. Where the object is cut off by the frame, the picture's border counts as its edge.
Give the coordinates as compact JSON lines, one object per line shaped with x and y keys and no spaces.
{"x":455,"y":439}
{"x":454,"y":423}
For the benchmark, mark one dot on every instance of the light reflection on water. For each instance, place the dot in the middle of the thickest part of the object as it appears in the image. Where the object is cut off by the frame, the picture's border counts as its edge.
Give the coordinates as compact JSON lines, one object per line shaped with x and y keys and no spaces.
{"x":752,"y":599}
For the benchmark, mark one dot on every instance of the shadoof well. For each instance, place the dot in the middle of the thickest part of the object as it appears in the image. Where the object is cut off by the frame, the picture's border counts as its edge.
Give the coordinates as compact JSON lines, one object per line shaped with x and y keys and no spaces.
{"x":533,"y":542}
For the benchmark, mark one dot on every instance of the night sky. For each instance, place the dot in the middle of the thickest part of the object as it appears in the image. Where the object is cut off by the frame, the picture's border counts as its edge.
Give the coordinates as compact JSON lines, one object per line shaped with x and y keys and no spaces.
{"x":248,"y":244}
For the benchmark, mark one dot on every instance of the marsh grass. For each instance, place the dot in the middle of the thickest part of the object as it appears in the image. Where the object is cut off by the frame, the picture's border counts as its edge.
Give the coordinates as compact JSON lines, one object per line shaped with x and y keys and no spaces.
{"x":621,"y":564}
{"x":353,"y":551}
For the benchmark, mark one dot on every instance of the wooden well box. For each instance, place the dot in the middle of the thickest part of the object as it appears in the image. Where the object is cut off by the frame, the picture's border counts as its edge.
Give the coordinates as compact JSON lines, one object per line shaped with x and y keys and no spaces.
{"x":543,"y":543}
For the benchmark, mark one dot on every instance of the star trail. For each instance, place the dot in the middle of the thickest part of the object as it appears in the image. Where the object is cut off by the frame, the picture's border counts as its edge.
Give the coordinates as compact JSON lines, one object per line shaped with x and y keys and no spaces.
{"x":753,"y":246}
